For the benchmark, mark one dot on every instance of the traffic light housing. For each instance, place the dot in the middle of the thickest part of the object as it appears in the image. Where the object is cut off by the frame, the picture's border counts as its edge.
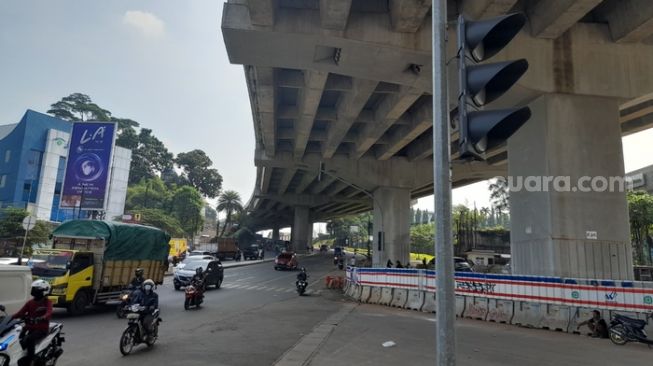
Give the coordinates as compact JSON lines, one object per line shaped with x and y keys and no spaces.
{"x":480,"y":84}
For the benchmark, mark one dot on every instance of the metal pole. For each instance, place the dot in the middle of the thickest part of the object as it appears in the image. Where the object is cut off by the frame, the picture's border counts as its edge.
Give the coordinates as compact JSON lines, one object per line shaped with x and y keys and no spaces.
{"x":445,"y":335}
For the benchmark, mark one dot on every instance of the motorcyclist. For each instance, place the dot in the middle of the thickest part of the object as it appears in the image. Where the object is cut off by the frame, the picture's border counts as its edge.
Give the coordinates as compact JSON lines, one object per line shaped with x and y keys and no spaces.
{"x":301,"y":276}
{"x":137,"y":281}
{"x":149,"y":299}
{"x":36,"y":313}
{"x":198,"y":279}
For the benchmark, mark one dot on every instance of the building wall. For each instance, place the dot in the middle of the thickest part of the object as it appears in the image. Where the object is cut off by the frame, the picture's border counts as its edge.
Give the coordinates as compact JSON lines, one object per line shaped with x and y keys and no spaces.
{"x":642,"y":179}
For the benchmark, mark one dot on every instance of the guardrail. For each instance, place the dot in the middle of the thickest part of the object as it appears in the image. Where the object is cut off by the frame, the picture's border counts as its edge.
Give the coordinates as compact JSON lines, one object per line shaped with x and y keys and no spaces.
{"x":545,"y":302}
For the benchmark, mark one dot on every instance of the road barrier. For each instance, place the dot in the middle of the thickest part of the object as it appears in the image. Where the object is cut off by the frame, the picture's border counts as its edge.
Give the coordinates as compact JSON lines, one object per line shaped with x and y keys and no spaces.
{"x":553,"y":303}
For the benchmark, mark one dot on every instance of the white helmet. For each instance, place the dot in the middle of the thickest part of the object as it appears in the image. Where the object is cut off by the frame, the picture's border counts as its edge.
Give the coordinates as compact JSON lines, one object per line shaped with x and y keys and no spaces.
{"x":40,"y":286}
{"x":148,"y":283}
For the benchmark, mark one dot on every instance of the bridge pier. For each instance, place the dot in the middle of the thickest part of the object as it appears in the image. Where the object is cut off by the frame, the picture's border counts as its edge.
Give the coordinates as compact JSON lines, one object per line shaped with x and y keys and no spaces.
{"x":392,"y":205}
{"x":577,"y":228}
{"x":300,"y":229}
{"x":275,"y":233}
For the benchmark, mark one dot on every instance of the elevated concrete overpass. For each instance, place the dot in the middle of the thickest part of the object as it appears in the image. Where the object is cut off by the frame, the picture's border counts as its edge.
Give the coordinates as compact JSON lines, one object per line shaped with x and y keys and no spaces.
{"x":345,"y":84}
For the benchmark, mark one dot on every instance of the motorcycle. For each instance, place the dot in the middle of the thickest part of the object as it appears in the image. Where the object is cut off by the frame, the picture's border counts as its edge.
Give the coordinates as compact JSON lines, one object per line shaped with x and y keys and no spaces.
{"x":135,"y":332}
{"x":624,"y":329}
{"x":301,"y":287}
{"x":46,"y":352}
{"x":335,"y":260}
{"x":341,"y":263}
{"x":194,"y":296}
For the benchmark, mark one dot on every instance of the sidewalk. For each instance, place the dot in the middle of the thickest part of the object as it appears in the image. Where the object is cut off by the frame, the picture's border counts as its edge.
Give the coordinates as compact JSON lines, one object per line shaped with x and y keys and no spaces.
{"x":355,"y":334}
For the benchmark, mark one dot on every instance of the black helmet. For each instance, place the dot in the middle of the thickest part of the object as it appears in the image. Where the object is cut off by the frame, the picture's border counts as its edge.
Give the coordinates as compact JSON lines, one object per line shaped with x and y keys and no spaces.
{"x":198,"y":271}
{"x":139,"y":272}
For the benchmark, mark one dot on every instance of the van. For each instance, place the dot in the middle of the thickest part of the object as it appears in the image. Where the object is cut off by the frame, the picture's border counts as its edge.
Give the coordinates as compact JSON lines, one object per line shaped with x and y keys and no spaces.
{"x":15,"y":286}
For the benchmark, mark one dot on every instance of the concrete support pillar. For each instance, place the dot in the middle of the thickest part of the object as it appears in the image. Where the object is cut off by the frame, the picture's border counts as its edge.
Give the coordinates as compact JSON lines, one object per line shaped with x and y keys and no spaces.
{"x":300,"y":229}
{"x":309,"y":237}
{"x":392,"y":207}
{"x":569,"y":224}
{"x":275,"y":233}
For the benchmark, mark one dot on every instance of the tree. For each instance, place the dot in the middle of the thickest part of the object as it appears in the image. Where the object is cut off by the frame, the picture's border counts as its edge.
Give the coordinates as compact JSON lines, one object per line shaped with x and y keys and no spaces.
{"x":79,"y":107}
{"x":422,"y":238}
{"x":196,"y":166}
{"x":230,"y":203}
{"x":500,"y":194}
{"x":640,"y":209}
{"x":148,"y":193}
{"x":11,"y":227}
{"x":150,"y":157}
{"x":186,"y":205}
{"x":161,"y":219}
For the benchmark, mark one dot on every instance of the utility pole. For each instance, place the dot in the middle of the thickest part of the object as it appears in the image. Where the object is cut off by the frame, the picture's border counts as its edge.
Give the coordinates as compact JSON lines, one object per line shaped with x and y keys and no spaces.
{"x":445,"y":332}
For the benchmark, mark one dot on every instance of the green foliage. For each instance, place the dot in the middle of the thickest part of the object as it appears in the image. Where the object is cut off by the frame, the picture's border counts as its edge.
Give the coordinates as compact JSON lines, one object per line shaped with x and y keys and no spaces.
{"x":79,"y":107}
{"x":186,"y":205}
{"x":148,"y":193}
{"x":640,"y":209}
{"x":422,"y":238}
{"x":230,"y":203}
{"x":11,"y":227}
{"x":196,"y":166}
{"x":340,"y":228}
{"x":500,"y":194}
{"x":149,"y":158}
{"x":161,"y":219}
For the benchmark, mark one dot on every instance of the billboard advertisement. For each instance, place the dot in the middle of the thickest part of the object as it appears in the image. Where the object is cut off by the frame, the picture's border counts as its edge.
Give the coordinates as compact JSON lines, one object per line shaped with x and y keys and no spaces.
{"x":86,"y":180}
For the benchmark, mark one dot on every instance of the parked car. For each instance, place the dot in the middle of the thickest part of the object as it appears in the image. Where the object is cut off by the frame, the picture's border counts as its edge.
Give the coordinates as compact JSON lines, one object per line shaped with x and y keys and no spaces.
{"x":253,"y":252}
{"x":212,"y":267}
{"x":286,"y":260}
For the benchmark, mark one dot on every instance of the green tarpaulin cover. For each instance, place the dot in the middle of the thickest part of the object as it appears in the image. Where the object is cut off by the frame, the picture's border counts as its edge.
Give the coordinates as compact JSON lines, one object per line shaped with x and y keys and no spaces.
{"x":124,"y":241}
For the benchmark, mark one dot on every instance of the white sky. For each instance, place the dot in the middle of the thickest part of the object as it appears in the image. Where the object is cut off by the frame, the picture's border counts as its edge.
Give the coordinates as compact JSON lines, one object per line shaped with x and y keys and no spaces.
{"x":163,"y":64}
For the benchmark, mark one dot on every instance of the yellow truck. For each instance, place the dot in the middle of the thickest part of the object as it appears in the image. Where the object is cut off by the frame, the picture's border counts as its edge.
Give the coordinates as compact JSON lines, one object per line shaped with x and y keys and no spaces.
{"x":178,"y":246}
{"x":92,"y":261}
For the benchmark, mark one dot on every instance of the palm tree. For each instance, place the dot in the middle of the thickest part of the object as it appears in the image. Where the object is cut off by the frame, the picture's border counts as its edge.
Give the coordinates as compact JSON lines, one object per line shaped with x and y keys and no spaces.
{"x":229,"y":202}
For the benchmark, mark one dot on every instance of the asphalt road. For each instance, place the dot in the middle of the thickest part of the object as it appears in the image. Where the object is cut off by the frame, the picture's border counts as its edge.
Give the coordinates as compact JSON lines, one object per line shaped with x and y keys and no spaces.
{"x":252,"y":320}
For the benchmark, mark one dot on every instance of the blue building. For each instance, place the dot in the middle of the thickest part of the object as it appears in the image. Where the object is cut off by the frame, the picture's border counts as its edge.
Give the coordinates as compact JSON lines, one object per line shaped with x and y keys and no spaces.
{"x":32,"y":163}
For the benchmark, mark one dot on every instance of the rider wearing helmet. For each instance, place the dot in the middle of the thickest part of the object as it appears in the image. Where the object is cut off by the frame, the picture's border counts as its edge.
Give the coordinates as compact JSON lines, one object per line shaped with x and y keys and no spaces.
{"x":198,"y":279}
{"x":137,"y":281}
{"x":36,"y":313}
{"x":302,"y":275}
{"x":150,"y":300}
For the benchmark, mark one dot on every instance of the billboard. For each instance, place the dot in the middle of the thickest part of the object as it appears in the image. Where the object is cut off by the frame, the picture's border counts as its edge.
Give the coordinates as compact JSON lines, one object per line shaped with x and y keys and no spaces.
{"x":86,"y":180}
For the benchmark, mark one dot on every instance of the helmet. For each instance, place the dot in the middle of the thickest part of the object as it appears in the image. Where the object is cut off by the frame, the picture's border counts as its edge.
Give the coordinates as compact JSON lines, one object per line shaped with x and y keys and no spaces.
{"x":148,"y":285}
{"x":198,"y":271}
{"x":139,"y":272}
{"x":303,"y":269}
{"x":40,"y":288}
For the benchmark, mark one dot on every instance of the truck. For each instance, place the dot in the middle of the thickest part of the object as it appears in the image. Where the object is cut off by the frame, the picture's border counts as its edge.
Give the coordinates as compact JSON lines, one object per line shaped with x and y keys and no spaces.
{"x":92,"y":261}
{"x":178,"y":246}
{"x":222,"y":248}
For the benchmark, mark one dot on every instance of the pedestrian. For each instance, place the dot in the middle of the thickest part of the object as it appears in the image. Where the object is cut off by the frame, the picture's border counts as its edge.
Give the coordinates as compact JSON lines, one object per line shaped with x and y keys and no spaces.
{"x":389,"y":264}
{"x":424,"y":262}
{"x":398,"y":265}
{"x":597,"y":325}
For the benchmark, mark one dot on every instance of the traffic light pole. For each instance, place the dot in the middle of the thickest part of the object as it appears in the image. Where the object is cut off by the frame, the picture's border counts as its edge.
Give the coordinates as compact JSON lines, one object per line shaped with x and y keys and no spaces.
{"x":445,"y":310}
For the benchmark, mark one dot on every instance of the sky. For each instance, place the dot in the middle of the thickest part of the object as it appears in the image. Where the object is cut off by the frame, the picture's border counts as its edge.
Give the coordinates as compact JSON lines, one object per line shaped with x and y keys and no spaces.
{"x":163,"y":64}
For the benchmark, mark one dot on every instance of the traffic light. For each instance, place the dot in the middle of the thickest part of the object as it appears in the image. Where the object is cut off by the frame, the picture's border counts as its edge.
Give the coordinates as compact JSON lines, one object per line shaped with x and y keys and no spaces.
{"x":481,"y":130}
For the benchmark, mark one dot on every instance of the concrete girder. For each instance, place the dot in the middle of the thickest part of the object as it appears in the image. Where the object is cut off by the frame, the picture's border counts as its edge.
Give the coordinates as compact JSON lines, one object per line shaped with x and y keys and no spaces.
{"x":262,"y":12}
{"x":307,"y":179}
{"x":629,"y":20}
{"x":420,"y":120}
{"x":334,"y":14}
{"x":287,"y":176}
{"x":266,"y":176}
{"x":390,"y":110}
{"x":479,"y":9}
{"x":339,"y":187}
{"x":322,"y":185}
{"x":308,"y":102}
{"x":636,"y":115}
{"x":579,"y":57}
{"x":551,"y":18}
{"x":349,"y":107}
{"x":262,"y":95}
{"x":408,"y":15}
{"x":309,"y":200}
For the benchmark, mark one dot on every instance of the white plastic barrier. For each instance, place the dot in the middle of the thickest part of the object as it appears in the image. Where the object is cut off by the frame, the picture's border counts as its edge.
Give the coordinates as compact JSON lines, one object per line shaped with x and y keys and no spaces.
{"x":500,"y":311}
{"x":399,"y":298}
{"x":556,"y":317}
{"x":429,"y":302}
{"x":415,"y":300}
{"x":375,"y":295}
{"x":365,"y":293}
{"x":386,"y":296}
{"x":476,"y":308}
